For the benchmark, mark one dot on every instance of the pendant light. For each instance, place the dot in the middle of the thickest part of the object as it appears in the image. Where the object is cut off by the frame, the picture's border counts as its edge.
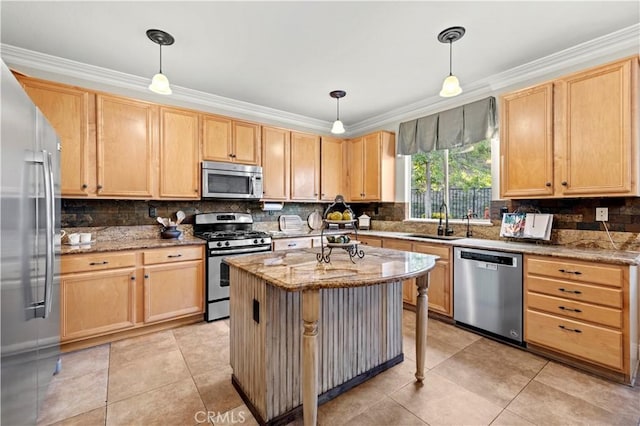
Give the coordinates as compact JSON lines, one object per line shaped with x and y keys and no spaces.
{"x":450,"y":85}
{"x":160,"y":83}
{"x":338,"y":127}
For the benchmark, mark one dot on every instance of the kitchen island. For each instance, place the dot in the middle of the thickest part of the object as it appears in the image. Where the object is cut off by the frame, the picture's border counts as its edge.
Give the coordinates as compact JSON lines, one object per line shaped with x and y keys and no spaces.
{"x":303,"y":331}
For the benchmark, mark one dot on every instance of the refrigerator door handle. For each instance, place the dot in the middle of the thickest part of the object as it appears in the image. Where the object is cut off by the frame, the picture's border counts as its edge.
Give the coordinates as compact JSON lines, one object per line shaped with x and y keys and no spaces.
{"x":45,"y":161}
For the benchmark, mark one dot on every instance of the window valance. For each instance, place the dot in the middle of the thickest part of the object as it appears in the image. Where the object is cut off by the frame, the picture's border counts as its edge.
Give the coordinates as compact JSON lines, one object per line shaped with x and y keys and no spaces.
{"x":463,"y":125}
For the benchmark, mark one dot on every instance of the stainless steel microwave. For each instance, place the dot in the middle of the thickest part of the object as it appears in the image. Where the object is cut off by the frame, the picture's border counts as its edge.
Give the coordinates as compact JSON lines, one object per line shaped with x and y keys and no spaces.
{"x":229,"y":180}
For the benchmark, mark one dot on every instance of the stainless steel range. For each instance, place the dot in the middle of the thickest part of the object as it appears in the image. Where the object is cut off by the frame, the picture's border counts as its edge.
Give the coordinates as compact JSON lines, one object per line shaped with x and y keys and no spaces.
{"x":227,"y":234}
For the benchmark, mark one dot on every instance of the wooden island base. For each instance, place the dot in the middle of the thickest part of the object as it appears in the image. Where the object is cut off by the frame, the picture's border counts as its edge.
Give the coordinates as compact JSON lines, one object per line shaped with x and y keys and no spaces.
{"x":359,"y":336}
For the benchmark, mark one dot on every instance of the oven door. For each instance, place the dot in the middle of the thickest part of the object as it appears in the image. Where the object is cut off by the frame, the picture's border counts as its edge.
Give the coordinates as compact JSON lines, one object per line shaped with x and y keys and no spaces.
{"x":231,"y":184}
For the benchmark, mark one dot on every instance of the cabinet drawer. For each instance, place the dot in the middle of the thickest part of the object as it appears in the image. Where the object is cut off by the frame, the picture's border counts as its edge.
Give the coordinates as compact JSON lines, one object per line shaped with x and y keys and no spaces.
{"x":368,"y":241}
{"x":292,"y":243}
{"x":574,"y":291}
{"x":433,"y":249}
{"x":590,"y":342}
{"x":611,"y":275}
{"x":96,"y":261}
{"x":397,"y":244}
{"x":582,"y":311}
{"x":173,"y":254}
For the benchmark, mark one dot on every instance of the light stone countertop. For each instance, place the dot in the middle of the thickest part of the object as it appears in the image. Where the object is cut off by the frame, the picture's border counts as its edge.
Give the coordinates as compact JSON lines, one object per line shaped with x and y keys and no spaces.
{"x":587,"y":254}
{"x":296,"y":270}
{"x":102,"y":246}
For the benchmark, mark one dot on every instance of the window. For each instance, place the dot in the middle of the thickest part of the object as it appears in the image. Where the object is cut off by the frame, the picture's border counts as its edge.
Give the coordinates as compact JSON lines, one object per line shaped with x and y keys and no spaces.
{"x":459,"y":177}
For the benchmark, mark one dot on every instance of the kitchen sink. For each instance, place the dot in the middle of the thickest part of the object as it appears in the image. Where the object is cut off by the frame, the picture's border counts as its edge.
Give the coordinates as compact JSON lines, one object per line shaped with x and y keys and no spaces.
{"x":436,"y":237}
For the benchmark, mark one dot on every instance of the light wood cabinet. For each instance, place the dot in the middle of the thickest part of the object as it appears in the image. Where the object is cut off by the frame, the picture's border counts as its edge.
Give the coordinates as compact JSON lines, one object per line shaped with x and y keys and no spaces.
{"x":369,"y":240}
{"x":173,"y":283}
{"x":106,"y":294}
{"x":305,"y":167}
{"x":371,"y":167}
{"x":575,"y":136}
{"x":179,"y":154}
{"x":126,"y":147}
{"x":229,"y":140}
{"x":582,"y":311}
{"x":440,"y":299}
{"x":332,"y":168}
{"x":276,"y":163}
{"x":97,"y":294}
{"x":71,"y":112}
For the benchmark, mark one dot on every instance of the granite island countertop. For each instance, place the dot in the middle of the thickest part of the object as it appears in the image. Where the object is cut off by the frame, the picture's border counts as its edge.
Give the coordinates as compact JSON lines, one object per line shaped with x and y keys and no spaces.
{"x":296,"y":270}
{"x":621,"y":257}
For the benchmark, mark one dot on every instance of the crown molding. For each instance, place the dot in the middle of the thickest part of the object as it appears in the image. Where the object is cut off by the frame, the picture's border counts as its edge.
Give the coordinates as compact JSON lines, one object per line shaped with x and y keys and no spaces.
{"x":617,"y":44}
{"x":622,"y":42}
{"x":20,"y":57}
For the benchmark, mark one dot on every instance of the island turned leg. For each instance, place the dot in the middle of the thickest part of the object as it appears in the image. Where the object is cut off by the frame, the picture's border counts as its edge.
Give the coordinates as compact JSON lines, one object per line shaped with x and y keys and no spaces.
{"x":310,"y":317}
{"x":421,"y":325}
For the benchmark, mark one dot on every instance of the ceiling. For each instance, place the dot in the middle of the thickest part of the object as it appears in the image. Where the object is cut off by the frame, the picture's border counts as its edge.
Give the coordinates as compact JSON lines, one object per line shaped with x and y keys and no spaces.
{"x":290,"y":55}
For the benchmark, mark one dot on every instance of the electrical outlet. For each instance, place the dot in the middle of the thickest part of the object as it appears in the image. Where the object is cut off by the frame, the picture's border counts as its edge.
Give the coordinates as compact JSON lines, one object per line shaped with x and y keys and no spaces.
{"x":602,"y":214}
{"x":153,"y":212}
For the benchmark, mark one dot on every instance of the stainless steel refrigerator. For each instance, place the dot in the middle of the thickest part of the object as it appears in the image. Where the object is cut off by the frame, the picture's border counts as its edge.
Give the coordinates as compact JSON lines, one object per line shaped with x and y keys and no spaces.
{"x":29,"y":256}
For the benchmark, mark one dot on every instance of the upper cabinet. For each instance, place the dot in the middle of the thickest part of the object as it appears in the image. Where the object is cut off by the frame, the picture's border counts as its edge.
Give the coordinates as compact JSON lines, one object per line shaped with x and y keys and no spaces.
{"x":126,"y":147}
{"x":179,"y":154}
{"x":276,"y":160}
{"x":68,"y":109}
{"x":230,"y":140}
{"x":371,"y":167}
{"x":332,"y":168}
{"x":573,"y":137}
{"x":305,"y":167}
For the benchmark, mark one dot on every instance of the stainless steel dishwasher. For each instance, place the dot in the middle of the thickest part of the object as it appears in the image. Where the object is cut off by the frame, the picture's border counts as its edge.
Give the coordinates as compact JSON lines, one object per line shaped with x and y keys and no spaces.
{"x":487,"y":292}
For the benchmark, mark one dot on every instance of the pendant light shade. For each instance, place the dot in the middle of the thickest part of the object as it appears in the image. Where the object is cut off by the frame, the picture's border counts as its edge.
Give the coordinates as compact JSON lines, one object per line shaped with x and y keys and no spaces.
{"x":160,"y":83}
{"x":338,"y":127}
{"x":451,"y":85}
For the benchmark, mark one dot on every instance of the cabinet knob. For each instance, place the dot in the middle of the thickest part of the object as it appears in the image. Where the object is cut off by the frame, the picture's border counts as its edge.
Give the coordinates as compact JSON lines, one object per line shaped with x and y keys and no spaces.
{"x":133,"y":278}
{"x":547,"y":184}
{"x":84,"y":186}
{"x":564,"y":183}
{"x":315,"y":194}
{"x":146,"y":275}
{"x":195,"y":190}
{"x":99,"y":187}
{"x":322,"y":194}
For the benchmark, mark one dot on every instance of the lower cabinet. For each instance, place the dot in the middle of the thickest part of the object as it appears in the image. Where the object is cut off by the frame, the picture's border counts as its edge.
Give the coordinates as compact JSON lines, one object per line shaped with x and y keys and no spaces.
{"x":102,"y":294}
{"x":440,"y":299}
{"x":582,"y":311}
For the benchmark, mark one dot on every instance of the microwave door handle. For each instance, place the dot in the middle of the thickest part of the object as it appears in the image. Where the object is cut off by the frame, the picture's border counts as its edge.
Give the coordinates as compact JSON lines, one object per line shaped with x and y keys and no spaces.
{"x":253,"y":185}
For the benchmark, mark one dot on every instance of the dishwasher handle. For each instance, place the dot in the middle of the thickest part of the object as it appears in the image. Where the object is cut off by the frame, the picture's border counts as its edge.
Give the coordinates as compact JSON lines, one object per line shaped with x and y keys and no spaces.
{"x":511,"y":261}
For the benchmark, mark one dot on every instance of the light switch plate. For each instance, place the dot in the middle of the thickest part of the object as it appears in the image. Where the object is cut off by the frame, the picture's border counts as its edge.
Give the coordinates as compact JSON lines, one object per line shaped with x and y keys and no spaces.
{"x":602,"y":214}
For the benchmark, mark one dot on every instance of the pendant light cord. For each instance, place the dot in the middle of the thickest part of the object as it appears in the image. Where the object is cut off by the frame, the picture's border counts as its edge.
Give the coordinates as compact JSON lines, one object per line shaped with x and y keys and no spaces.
{"x":450,"y":56}
{"x":338,"y":109}
{"x":160,"y":58}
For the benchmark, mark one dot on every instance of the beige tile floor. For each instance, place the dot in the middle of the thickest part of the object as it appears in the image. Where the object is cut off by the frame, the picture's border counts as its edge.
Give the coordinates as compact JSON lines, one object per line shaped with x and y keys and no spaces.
{"x":175,"y":377}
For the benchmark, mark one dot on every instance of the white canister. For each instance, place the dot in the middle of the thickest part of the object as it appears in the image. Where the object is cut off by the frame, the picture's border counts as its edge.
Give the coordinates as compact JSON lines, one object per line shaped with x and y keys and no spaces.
{"x":364,"y":221}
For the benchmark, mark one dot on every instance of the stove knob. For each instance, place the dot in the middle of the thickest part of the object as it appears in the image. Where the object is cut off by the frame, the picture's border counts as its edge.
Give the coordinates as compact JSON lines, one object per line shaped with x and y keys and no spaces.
{"x":262,"y":240}
{"x":255,"y":241}
{"x":219,"y":244}
{"x":226,"y":243}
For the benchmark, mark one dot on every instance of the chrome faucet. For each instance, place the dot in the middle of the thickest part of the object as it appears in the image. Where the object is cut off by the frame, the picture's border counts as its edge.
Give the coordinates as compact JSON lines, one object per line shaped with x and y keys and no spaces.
{"x":446,"y":230}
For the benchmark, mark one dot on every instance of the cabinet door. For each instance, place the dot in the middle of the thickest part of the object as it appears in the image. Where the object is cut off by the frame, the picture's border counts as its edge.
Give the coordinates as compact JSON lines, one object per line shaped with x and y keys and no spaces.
{"x":246,"y":143}
{"x":594,"y":131}
{"x":439,"y":278}
{"x":369,"y":241}
{"x":127,"y":135}
{"x":96,"y":303}
{"x":332,"y":168}
{"x":526,"y":143}
{"x":372,"y":145}
{"x":216,"y":138}
{"x":173,"y":290}
{"x":275,"y":163}
{"x":305,"y":166}
{"x":71,"y":112}
{"x":179,"y":154}
{"x":355,"y":170}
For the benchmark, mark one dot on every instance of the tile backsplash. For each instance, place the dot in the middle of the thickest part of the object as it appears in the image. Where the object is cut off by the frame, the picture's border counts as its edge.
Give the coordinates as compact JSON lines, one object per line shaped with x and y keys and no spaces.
{"x":574,"y":219}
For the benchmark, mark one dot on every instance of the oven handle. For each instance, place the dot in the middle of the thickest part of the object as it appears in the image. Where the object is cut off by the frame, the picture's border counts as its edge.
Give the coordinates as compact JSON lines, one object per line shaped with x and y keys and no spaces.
{"x":238,"y":251}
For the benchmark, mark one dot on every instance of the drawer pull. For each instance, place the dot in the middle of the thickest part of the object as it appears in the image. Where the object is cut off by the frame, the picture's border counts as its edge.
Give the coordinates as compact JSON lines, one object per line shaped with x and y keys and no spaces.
{"x":292,"y":244}
{"x":565,"y":271}
{"x":570,"y":291}
{"x":174,"y":255}
{"x":569,"y":309}
{"x":575,"y":330}
{"x":104,"y":262}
